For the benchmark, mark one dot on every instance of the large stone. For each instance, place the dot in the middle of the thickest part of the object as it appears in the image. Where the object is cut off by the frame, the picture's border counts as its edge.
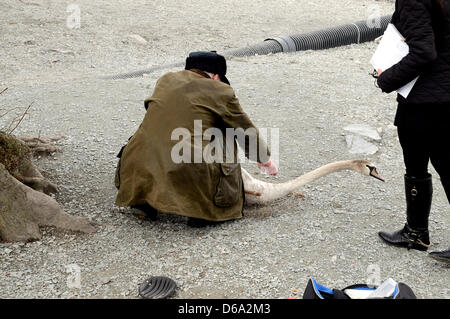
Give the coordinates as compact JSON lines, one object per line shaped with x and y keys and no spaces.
{"x":363,"y":130}
{"x":357,"y":145}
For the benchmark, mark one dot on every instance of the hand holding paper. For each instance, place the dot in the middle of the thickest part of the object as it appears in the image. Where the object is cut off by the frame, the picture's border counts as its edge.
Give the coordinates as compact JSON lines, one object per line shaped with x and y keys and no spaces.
{"x":391,"y":50}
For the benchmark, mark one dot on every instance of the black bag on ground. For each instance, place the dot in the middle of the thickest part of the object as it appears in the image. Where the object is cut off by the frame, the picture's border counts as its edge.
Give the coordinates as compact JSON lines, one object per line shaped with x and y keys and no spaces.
{"x":359,"y":291}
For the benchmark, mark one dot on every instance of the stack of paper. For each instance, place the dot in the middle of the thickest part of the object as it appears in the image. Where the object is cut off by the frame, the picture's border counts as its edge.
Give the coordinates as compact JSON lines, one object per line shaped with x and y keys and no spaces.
{"x":391,"y":50}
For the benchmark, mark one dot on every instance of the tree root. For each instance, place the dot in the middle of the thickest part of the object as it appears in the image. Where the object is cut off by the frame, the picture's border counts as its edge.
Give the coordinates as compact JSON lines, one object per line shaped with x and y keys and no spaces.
{"x":16,"y":155}
{"x":42,"y":145}
{"x":23,"y":210}
{"x":39,"y":184}
{"x":24,"y":201}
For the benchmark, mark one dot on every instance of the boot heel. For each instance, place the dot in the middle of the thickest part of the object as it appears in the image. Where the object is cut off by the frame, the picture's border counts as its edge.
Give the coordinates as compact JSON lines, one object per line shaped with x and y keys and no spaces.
{"x":418,"y":245}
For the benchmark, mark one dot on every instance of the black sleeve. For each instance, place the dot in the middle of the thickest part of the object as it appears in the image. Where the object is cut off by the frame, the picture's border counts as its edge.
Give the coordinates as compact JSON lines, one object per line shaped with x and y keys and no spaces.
{"x":415,"y":19}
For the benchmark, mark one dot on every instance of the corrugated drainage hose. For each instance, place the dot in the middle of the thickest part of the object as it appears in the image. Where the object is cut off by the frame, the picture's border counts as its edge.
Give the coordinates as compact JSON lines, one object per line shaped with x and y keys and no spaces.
{"x":353,"y":33}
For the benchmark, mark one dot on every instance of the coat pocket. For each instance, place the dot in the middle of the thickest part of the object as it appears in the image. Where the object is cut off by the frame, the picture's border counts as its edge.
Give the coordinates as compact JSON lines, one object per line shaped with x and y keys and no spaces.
{"x":229,"y":188}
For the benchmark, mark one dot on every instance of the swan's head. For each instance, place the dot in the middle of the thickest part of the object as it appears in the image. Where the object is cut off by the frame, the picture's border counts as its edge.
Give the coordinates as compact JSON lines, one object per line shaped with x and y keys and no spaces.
{"x":366,"y":168}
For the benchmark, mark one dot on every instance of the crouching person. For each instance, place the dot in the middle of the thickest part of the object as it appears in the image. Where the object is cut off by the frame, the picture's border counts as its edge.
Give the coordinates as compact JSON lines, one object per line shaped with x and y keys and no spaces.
{"x":182,"y":159}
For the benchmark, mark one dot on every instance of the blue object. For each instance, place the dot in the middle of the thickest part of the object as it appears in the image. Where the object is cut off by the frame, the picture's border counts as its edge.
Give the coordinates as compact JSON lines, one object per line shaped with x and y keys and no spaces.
{"x":319,"y":288}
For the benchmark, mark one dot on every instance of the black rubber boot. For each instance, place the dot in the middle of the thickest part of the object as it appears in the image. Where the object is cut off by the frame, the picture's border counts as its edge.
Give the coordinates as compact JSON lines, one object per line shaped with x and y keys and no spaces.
{"x":148,"y":211}
{"x":414,"y":235}
{"x":441,"y":255}
{"x":201,"y":223}
{"x":198,"y":223}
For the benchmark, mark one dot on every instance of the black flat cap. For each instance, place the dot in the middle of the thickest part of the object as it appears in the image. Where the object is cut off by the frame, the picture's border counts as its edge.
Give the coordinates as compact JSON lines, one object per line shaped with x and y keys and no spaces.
{"x":208,"y":61}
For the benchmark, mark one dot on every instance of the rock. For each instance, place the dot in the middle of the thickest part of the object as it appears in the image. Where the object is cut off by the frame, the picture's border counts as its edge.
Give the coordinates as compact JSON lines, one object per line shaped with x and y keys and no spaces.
{"x":137,"y":39}
{"x":357,"y":145}
{"x":363,"y":130}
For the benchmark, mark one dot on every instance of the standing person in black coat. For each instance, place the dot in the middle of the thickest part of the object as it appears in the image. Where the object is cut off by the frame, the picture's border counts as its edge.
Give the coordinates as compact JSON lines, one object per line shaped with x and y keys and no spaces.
{"x":422,"y":118}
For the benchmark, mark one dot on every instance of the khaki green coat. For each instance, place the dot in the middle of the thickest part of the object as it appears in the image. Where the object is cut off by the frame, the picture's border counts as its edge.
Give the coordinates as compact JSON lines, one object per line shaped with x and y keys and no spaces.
{"x":147,"y":172}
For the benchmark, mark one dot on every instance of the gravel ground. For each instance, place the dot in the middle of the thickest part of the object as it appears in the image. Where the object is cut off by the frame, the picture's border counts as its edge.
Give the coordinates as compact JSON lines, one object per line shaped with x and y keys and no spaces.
{"x":310,"y":96}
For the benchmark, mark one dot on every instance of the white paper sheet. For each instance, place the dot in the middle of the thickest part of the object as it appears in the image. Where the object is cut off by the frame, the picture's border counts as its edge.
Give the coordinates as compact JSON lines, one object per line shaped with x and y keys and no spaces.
{"x":391,"y":50}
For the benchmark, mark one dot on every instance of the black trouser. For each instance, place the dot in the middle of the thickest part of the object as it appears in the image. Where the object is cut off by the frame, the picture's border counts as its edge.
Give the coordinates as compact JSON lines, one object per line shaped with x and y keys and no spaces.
{"x":420,"y":145}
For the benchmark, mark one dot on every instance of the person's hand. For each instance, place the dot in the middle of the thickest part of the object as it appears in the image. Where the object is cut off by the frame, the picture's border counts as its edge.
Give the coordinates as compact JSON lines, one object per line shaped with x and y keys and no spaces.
{"x":379,"y":71}
{"x":268,"y":168}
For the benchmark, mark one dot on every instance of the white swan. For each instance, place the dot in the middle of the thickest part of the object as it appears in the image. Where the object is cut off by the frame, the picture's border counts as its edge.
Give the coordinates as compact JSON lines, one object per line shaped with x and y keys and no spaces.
{"x":259,"y":192}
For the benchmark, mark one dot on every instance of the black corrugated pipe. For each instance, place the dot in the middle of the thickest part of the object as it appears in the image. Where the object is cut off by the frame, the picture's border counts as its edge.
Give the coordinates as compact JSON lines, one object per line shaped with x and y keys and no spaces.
{"x":357,"y":32}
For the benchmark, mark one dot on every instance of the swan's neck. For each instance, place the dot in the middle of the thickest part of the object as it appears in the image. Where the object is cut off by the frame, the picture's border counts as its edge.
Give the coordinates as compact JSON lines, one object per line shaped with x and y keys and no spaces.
{"x":271,"y":191}
{"x":317,"y":173}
